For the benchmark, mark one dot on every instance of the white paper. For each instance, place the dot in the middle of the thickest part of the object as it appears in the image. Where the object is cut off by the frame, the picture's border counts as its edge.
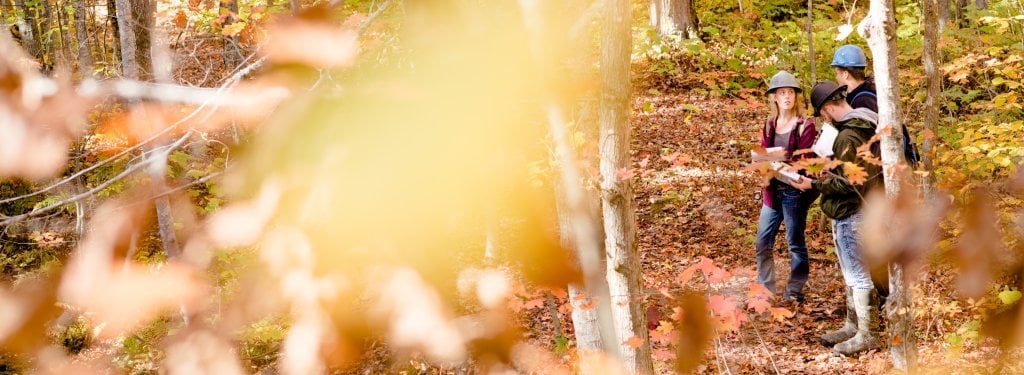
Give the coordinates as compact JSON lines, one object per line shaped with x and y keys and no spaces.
{"x":770,"y":154}
{"x":827,"y":137}
{"x":786,"y":173}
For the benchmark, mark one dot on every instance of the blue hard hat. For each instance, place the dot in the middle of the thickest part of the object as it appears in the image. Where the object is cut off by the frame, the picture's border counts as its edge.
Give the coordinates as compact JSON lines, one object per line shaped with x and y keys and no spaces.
{"x":849,"y":56}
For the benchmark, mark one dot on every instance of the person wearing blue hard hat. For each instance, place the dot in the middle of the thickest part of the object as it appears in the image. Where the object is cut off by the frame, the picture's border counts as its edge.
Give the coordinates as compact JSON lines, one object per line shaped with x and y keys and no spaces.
{"x":850,"y":66}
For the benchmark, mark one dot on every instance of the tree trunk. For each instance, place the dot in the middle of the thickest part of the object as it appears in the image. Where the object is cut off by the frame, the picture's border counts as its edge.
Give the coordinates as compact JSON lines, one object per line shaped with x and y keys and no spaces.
{"x":673,"y":17}
{"x":810,"y":42}
{"x":135,"y":22}
{"x":930,"y":59}
{"x":943,"y":14}
{"x":981,"y":4}
{"x":29,"y":29}
{"x":232,"y":54}
{"x":115,"y":26}
{"x":879,"y":29}
{"x":46,"y":44}
{"x":623,"y":266}
{"x":961,"y":6}
{"x":579,"y":226}
{"x":85,"y":65}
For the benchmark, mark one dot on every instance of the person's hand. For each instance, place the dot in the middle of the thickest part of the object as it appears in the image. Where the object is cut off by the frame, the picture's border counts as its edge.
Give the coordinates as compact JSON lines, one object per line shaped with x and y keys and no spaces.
{"x":803,"y":184}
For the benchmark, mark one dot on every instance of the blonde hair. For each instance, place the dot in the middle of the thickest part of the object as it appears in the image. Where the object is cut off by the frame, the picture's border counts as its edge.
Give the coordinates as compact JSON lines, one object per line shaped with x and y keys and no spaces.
{"x":799,"y":105}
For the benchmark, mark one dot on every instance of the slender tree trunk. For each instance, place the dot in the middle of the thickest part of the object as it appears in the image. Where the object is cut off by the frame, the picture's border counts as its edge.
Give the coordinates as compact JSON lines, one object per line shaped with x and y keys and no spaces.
{"x":115,"y":26}
{"x":46,"y":36}
{"x":85,"y":65}
{"x":579,"y":225}
{"x":943,"y":10}
{"x":930,"y":59}
{"x":29,"y":28}
{"x":135,"y":23}
{"x":623,"y":266}
{"x":879,"y":29}
{"x":810,"y":42}
{"x":232,"y":54}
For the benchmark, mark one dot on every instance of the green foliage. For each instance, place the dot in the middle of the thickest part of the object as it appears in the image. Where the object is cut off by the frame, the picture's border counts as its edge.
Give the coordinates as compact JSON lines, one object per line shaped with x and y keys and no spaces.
{"x":76,"y":337}
{"x":260,"y":343}
{"x":139,"y":353}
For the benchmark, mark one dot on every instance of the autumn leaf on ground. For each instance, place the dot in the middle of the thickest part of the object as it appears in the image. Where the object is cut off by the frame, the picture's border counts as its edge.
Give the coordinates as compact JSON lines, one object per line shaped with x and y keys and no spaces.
{"x":534,"y":303}
{"x":721,"y":305}
{"x":686,"y":275}
{"x":781,"y":313}
{"x":854,"y":173}
{"x":759,"y":305}
{"x":663,"y":355}
{"x":758,"y":291}
{"x":664,"y":332}
{"x":634,"y":342}
{"x":625,"y":173}
{"x":718,"y":275}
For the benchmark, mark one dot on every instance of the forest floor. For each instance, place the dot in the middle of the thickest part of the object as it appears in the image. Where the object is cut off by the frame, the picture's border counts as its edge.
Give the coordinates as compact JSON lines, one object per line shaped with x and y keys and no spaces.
{"x":700,"y":203}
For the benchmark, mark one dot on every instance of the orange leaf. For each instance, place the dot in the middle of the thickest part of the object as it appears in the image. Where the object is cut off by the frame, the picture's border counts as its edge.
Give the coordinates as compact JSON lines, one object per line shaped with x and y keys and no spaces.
{"x":663,"y":355}
{"x":854,"y":173}
{"x":897,"y":340}
{"x":634,"y":342}
{"x":625,"y":173}
{"x":180,"y":19}
{"x":759,"y":305}
{"x":534,"y":303}
{"x":781,"y":313}
{"x":721,"y":305}
{"x":687,"y":274}
{"x":757,"y":291}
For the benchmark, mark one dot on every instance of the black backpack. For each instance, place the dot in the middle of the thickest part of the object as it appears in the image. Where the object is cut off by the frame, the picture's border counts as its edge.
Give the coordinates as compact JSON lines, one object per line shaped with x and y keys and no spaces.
{"x":909,"y":147}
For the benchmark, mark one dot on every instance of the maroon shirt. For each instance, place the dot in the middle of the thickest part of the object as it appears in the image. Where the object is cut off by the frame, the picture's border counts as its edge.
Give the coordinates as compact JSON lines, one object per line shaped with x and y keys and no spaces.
{"x":797,"y":141}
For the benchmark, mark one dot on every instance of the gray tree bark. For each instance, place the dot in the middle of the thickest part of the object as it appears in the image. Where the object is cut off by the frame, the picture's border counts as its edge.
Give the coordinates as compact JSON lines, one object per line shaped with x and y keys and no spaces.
{"x":810,"y":42}
{"x":674,"y":17}
{"x":879,"y":29}
{"x":134,"y":24}
{"x":232,"y":53}
{"x":930,"y":59}
{"x":623,"y":266}
{"x":85,"y":61}
{"x":29,"y":29}
{"x":943,"y":14}
{"x":580,"y":227}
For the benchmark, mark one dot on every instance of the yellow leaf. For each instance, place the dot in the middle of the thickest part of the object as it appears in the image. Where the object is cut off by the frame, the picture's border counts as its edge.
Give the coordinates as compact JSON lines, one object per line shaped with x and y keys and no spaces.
{"x":854,"y":173}
{"x":233,"y":29}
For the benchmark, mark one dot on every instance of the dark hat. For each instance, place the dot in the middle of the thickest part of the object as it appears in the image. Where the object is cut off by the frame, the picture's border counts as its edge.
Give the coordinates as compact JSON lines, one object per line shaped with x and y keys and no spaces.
{"x":825,"y":91}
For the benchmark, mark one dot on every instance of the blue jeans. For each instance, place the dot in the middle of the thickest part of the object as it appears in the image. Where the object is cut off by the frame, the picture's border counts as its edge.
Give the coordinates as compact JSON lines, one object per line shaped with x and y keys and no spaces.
{"x":846,"y":233}
{"x":794,"y":213}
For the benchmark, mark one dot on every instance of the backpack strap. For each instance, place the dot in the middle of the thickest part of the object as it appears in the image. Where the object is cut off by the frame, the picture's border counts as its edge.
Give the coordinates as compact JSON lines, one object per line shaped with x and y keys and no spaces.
{"x":862,"y":93}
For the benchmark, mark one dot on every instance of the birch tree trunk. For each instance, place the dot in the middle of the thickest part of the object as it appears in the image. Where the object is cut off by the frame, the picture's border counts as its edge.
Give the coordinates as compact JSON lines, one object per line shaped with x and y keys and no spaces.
{"x":674,"y":17}
{"x":623,"y":268}
{"x":930,"y":60}
{"x":580,"y":226}
{"x":85,"y":64}
{"x":879,"y":29}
